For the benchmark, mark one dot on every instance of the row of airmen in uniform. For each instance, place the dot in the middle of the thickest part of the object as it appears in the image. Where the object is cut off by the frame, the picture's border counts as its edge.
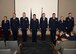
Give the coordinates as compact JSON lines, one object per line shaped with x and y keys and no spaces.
{"x":54,"y":25}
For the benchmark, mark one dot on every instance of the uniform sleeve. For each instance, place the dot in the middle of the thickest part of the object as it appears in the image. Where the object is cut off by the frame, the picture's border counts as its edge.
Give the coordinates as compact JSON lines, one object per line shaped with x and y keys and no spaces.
{"x":40,"y":22}
{"x":11,"y":22}
{"x":27,"y":23}
{"x":46,"y":23}
{"x":57,"y":23}
{"x":18,"y":23}
{"x":73,"y":22}
{"x":66,"y":21}
{"x":31,"y":24}
{"x":2,"y":23}
{"x":50,"y":23}
{"x":37,"y":24}
{"x":8,"y":24}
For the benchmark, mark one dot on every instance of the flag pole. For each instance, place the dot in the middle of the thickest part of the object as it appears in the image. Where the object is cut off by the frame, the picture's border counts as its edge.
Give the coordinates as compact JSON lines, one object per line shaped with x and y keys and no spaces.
{"x":30,"y":13}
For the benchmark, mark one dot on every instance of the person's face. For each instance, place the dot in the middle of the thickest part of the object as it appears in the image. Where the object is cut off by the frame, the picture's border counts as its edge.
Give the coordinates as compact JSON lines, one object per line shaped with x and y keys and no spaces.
{"x":14,"y":15}
{"x":34,"y":17}
{"x":53,"y":15}
{"x":43,"y":15}
{"x":24,"y":14}
{"x":69,"y":15}
{"x":5,"y":18}
{"x":62,"y":18}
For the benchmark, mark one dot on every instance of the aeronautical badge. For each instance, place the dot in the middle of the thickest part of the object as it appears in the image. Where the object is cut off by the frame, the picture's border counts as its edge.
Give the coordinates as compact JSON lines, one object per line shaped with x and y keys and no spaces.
{"x":25,"y":19}
{"x":16,"y":19}
{"x":68,"y":19}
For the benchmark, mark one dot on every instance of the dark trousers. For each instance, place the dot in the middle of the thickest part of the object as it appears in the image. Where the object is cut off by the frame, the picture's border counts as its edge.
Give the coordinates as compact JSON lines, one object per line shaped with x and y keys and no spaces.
{"x":52,"y":36}
{"x":34,"y":35}
{"x":5,"y":35}
{"x":24,"y":35}
{"x":43,"y":34}
{"x":15,"y":34}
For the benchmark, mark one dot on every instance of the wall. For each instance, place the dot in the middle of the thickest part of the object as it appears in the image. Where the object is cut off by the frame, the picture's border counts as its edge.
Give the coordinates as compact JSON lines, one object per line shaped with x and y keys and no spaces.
{"x":66,"y":6}
{"x":6,"y":8}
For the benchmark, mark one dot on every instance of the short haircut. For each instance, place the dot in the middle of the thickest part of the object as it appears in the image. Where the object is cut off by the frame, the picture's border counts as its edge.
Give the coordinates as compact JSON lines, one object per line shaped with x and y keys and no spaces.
{"x":24,"y":12}
{"x":61,"y":16}
{"x":69,"y":13}
{"x":34,"y":14}
{"x":5,"y":16}
{"x":53,"y":14}
{"x":42,"y":14}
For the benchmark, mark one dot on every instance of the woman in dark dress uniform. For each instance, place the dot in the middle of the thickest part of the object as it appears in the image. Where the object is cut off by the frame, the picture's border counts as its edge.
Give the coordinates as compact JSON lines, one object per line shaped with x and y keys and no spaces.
{"x":34,"y":26}
{"x":5,"y":28}
{"x":43,"y":26}
{"x":62,"y":24}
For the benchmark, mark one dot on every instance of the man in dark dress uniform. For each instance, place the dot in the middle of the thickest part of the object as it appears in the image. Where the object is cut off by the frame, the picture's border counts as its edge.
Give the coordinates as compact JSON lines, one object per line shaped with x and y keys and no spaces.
{"x":53,"y":26}
{"x":24,"y":24}
{"x":69,"y":23}
{"x":14,"y":22}
{"x":43,"y":26}
{"x":34,"y":26}
{"x":5,"y":28}
{"x":62,"y":24}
